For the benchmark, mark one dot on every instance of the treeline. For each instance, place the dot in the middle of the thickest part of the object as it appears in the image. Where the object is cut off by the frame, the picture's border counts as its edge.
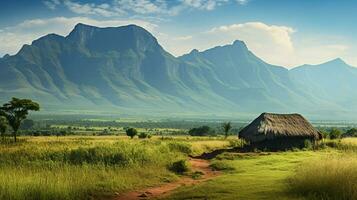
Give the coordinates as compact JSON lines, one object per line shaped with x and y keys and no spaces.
{"x":180,"y":124}
{"x":336,"y":133}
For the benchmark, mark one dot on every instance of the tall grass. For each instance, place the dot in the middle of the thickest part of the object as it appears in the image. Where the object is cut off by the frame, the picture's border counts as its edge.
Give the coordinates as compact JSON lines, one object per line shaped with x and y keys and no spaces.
{"x":332,"y":178}
{"x":81,"y":168}
{"x":69,"y":168}
{"x":75,"y":182}
{"x":345,"y":144}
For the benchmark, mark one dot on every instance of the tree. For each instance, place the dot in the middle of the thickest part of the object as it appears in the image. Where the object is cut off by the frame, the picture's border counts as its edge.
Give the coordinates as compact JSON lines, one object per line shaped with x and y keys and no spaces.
{"x":351,"y":133}
{"x":200,"y":131}
{"x":16,"y":111}
{"x":227,"y":126}
{"x":3,"y":126}
{"x":335,"y":133}
{"x":131,"y":132}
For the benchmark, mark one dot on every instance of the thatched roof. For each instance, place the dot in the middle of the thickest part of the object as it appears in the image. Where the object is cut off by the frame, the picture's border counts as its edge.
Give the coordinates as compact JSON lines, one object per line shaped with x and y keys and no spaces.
{"x":270,"y":126}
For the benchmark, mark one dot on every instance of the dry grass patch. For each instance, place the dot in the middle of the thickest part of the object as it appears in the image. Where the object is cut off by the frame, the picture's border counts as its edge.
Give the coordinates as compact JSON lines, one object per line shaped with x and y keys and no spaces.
{"x":327,"y":178}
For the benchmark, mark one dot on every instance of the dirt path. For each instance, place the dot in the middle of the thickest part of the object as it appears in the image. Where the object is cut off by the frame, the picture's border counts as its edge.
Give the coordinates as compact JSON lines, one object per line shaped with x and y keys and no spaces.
{"x":165,"y":189}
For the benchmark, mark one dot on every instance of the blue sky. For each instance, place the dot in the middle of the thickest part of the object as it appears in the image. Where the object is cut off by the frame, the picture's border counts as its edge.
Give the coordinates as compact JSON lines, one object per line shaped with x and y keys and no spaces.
{"x":281,"y":32}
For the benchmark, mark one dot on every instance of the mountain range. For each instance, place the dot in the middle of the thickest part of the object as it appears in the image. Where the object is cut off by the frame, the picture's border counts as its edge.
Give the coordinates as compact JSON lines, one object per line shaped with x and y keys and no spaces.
{"x":125,"y":70}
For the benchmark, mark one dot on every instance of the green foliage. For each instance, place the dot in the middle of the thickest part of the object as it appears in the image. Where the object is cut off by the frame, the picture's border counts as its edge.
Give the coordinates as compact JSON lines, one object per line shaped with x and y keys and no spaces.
{"x":222,"y":165}
{"x":182,"y":147}
{"x":308,"y":145}
{"x":16,"y":111}
{"x":131,"y":132}
{"x":143,"y":135}
{"x":227,"y":126}
{"x":324,"y":133}
{"x":335,"y":133}
{"x":350,"y":133}
{"x":201,"y":131}
{"x":180,"y":166}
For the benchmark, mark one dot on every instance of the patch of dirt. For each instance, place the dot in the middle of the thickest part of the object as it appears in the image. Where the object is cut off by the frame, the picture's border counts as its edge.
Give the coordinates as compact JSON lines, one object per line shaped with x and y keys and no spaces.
{"x":197,"y":165}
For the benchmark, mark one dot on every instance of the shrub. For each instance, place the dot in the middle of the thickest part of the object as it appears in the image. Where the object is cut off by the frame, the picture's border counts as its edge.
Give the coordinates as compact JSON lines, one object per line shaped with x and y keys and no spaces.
{"x":180,"y":147}
{"x":324,"y":134}
{"x":351,"y":133}
{"x":335,"y":133}
{"x":131,"y":132}
{"x":201,"y":131}
{"x":143,"y":135}
{"x":308,"y":144}
{"x":179,"y":167}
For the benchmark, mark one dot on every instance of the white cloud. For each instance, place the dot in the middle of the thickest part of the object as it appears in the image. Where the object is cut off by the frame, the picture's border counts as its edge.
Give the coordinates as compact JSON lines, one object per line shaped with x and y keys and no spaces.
{"x":52,"y":4}
{"x":138,"y":7}
{"x":142,"y":6}
{"x":242,"y":2}
{"x":93,"y":9}
{"x":12,"y":38}
{"x":267,"y":41}
{"x":204,"y":4}
{"x":272,"y":43}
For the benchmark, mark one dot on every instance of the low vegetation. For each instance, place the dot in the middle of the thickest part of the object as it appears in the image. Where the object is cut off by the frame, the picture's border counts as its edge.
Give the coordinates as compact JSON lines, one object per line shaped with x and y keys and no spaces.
{"x":327,"y":173}
{"x":332,"y":178}
{"x":137,"y":156}
{"x":75,"y":167}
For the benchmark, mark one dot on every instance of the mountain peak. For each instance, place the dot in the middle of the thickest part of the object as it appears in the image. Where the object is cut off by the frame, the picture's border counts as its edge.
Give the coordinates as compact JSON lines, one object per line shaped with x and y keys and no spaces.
{"x":83,"y":26}
{"x":194,"y":51}
{"x":239,"y":43}
{"x":337,"y":61}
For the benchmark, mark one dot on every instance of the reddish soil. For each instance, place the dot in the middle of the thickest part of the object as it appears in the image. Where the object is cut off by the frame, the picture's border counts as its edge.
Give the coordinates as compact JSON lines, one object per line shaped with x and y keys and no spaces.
{"x":165,"y":189}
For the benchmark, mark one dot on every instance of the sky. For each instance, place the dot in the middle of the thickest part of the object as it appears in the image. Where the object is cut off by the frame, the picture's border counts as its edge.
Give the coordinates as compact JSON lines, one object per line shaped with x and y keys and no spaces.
{"x":288,"y":33}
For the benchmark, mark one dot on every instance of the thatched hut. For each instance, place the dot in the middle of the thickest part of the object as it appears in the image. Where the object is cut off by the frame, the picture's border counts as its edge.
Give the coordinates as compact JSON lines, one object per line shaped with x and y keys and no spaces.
{"x":279,"y":131}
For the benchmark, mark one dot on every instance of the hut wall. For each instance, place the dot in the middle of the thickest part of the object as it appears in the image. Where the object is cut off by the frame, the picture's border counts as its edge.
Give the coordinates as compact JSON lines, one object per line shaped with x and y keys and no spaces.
{"x":281,"y":143}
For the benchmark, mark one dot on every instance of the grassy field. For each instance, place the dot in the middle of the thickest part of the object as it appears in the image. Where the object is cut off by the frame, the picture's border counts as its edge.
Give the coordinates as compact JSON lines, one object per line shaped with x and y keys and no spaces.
{"x":91,"y":167}
{"x":76,"y":167}
{"x":329,"y":173}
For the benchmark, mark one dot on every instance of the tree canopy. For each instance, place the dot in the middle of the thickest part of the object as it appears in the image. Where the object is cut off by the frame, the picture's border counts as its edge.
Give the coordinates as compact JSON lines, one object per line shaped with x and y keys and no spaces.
{"x":201,"y":131}
{"x":227,"y":126}
{"x":131,"y":132}
{"x":16,"y":111}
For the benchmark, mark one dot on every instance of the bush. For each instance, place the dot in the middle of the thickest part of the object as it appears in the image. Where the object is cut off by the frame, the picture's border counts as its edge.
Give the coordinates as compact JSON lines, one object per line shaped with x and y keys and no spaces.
{"x":335,"y":133}
{"x":324,"y":134}
{"x":308,"y":144}
{"x":143,"y":135}
{"x":201,"y":131}
{"x":350,"y":133}
{"x":131,"y":132}
{"x":180,"y":147}
{"x":179,"y":167}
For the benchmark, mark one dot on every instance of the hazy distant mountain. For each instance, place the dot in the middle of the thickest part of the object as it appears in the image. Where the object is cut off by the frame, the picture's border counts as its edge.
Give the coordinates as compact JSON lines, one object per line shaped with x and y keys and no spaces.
{"x":333,"y":83}
{"x":108,"y":67}
{"x":247,"y":80}
{"x":124,"y":68}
